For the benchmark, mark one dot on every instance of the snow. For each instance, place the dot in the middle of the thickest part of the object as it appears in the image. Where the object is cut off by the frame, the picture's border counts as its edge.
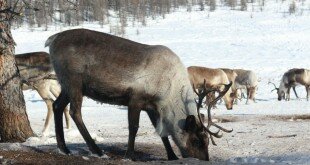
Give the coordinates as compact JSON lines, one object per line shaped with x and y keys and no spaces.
{"x":267,"y":42}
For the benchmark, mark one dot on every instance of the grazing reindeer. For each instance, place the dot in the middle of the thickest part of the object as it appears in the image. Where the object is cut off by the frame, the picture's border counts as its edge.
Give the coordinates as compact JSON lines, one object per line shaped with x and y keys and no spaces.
{"x":118,"y":71}
{"x":246,"y":79}
{"x":291,"y":79}
{"x":35,"y":68}
{"x":232,"y":75}
{"x":215,"y":79}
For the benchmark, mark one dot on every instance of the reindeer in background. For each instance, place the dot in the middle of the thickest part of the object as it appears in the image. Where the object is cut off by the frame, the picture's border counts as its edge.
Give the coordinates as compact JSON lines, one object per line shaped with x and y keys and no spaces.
{"x":37,"y":74}
{"x":231,"y":75}
{"x":215,"y":79}
{"x":291,"y":79}
{"x":246,"y":80}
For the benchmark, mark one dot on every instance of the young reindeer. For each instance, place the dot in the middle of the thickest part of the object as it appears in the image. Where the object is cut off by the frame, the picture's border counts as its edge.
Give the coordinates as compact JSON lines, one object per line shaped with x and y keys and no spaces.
{"x":291,"y":79}
{"x":118,"y":71}
{"x":215,"y":79}
{"x":246,"y":79}
{"x":36,"y":73}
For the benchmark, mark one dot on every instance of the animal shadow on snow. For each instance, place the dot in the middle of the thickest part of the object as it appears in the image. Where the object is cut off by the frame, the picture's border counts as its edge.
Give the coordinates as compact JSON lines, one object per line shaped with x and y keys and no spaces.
{"x":116,"y":151}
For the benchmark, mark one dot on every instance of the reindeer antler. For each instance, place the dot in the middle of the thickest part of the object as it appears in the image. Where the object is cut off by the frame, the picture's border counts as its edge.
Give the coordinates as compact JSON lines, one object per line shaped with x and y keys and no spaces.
{"x":275,"y":87}
{"x":210,"y":123}
{"x":201,"y":95}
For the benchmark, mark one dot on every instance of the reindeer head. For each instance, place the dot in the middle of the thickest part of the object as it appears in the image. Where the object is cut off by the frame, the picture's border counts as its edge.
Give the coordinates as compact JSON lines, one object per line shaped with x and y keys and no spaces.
{"x":198,"y":141}
{"x":232,"y":95}
{"x":281,"y":93}
{"x":198,"y":135}
{"x":229,"y":97}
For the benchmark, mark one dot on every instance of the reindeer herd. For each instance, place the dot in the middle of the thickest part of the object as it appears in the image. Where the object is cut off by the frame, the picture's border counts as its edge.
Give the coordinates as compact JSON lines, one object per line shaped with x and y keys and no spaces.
{"x":118,"y":71}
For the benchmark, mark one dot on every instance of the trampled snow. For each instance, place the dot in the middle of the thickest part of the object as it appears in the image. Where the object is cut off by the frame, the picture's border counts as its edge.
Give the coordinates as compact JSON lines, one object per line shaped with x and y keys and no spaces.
{"x":265,"y":42}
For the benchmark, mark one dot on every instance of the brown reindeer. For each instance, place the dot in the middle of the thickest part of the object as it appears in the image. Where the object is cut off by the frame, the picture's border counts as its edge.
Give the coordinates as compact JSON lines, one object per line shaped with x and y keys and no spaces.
{"x":231,"y":75}
{"x":35,"y":69}
{"x":215,"y":79}
{"x":117,"y":71}
{"x":291,"y":79}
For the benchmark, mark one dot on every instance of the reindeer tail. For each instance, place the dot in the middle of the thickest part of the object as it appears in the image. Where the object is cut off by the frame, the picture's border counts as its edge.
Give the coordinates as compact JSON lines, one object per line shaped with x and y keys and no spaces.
{"x":50,"y":39}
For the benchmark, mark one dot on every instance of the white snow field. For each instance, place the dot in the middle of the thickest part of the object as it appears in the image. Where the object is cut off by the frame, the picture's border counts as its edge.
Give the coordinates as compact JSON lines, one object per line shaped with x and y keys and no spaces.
{"x":267,"y":42}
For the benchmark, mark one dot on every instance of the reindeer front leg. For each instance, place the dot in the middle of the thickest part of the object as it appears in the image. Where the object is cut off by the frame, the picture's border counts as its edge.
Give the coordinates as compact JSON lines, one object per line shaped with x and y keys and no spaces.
{"x":294,"y":89}
{"x":308,"y":91}
{"x":133,"y":124}
{"x":170,"y":153}
{"x":49,"y":117}
{"x":248,"y":91}
{"x":252,"y":94}
{"x":288,"y":96}
{"x":237,"y":93}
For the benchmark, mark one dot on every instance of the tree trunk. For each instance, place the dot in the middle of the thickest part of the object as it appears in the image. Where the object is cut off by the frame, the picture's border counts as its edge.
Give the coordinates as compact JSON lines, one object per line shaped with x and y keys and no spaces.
{"x":14,"y":123}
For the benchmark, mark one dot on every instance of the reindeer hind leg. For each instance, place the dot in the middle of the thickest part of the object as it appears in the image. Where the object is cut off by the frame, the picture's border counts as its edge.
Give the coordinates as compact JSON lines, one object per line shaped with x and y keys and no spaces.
{"x":48,"y":99}
{"x":76,"y":99}
{"x":58,"y":106}
{"x":55,"y":92}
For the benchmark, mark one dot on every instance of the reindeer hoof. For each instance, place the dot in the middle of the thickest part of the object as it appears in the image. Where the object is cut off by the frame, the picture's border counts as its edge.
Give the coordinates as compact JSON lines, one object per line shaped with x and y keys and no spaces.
{"x":45,"y":133}
{"x":172,"y":156}
{"x":97,"y":151}
{"x":130,"y":155}
{"x":64,"y":151}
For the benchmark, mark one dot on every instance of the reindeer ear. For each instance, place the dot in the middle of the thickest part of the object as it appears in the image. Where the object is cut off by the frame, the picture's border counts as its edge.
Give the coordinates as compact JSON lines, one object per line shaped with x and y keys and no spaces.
{"x":190,"y":124}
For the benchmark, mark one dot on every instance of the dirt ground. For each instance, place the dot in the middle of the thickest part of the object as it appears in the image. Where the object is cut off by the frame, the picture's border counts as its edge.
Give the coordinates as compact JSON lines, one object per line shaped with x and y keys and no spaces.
{"x":255,"y":139}
{"x":146,"y":154}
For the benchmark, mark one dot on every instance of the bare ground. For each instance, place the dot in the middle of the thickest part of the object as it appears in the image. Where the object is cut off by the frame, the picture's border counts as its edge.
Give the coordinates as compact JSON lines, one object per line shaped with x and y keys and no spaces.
{"x":255,"y":139}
